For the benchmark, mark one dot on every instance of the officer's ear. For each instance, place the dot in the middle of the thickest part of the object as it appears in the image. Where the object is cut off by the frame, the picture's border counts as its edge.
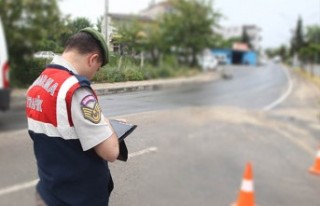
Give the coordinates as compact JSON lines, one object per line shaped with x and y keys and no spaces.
{"x":93,"y":59}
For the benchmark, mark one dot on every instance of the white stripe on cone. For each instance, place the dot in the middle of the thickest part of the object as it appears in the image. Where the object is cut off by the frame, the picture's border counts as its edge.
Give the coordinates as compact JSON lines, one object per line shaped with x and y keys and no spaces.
{"x":247,"y":186}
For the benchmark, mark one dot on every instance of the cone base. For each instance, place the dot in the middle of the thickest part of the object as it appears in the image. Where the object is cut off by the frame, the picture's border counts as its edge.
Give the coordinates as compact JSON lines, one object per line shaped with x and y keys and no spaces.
{"x":314,"y":171}
{"x":236,"y":204}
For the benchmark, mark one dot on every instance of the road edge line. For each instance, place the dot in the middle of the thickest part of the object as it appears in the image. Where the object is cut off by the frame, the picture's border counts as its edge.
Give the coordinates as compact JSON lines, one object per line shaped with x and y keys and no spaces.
{"x":26,"y":185}
{"x":285,"y":95}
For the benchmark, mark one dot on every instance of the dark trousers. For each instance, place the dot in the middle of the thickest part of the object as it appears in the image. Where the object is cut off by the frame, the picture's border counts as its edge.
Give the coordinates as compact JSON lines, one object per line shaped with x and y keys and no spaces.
{"x":39,"y":200}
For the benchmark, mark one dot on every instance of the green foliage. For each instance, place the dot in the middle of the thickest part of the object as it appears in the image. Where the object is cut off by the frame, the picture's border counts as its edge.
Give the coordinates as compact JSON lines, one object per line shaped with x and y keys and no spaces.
{"x":78,"y":24}
{"x":154,"y":43}
{"x":130,"y":36}
{"x":133,"y":74}
{"x":184,"y":30}
{"x":245,"y":38}
{"x":38,"y":25}
{"x":297,"y":41}
{"x":99,"y":23}
{"x":72,"y":27}
{"x":32,"y":26}
{"x":25,"y":77}
{"x":282,"y":51}
{"x":149,"y":72}
{"x":313,"y":34}
{"x":307,"y":45}
{"x":189,"y":27}
{"x":311,"y":52}
{"x":129,"y":70}
{"x":109,"y":74}
{"x":26,"y":24}
{"x":220,"y":42}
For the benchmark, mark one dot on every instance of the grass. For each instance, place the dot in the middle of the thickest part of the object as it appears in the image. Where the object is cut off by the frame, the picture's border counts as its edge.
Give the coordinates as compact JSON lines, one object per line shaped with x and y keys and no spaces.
{"x":313,"y":78}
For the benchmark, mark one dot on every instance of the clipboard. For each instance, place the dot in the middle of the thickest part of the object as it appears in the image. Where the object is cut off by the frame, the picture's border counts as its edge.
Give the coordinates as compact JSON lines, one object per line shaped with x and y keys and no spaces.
{"x":122,"y":129}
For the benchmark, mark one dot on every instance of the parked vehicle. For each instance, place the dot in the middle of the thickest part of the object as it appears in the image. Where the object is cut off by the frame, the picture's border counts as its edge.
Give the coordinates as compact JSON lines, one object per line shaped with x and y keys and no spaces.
{"x":208,"y":62}
{"x":4,"y":72}
{"x":277,"y":59}
{"x":44,"y":54}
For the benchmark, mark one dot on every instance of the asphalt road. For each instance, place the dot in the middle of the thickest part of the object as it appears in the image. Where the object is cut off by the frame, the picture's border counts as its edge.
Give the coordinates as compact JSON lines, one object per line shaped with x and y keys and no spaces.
{"x":193,"y":143}
{"x":251,"y":87}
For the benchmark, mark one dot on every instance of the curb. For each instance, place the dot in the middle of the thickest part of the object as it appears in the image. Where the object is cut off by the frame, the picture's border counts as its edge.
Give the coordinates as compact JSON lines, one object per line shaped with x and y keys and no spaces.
{"x":108,"y":88}
{"x":132,"y":86}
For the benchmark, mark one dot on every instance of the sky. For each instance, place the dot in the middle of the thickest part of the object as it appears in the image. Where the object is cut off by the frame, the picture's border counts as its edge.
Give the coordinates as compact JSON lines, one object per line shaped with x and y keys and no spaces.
{"x":276,"y":18}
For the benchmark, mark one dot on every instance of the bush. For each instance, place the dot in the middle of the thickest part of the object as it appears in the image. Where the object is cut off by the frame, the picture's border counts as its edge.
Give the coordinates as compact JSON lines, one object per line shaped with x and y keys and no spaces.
{"x":114,"y":75}
{"x":149,"y":72}
{"x":110,"y":72}
{"x":23,"y":77}
{"x":119,"y":69}
{"x":133,"y":74}
{"x":113,"y":59}
{"x":165,"y":72}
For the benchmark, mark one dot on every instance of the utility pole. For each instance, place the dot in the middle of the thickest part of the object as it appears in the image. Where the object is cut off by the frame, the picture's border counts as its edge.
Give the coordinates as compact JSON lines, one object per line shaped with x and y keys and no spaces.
{"x":106,"y":22}
{"x":316,"y":57}
{"x":318,"y":33}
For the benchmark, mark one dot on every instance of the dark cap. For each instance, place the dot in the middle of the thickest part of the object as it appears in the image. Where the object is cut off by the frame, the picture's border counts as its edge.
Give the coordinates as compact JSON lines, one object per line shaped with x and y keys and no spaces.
{"x":98,"y":36}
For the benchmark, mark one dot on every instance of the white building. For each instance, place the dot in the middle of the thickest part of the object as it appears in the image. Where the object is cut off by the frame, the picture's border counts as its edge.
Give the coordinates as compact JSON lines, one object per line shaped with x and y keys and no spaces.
{"x":155,"y":10}
{"x":253,"y":31}
{"x":148,"y":15}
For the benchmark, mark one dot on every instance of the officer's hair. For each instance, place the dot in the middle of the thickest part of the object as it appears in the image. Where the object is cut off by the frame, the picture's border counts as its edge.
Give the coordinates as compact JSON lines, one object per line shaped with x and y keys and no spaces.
{"x":84,"y":43}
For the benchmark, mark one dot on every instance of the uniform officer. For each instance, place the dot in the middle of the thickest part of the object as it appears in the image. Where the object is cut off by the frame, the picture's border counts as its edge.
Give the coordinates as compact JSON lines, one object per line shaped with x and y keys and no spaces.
{"x":73,"y":142}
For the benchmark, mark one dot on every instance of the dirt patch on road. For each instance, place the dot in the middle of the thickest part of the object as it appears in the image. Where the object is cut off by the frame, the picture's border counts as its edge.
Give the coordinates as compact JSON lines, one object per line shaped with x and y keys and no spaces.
{"x":298,"y":126}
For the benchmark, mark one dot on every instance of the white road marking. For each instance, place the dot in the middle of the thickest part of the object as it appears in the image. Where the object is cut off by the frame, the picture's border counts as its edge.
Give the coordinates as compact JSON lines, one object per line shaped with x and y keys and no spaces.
{"x":141,"y":152}
{"x":18,"y":187}
{"x":284,"y":96}
{"x":26,"y":185}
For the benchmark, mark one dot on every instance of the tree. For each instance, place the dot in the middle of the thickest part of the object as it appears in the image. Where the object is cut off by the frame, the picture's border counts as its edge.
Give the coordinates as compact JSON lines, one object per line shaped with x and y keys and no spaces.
{"x":73,"y":26}
{"x":154,"y":42}
{"x":99,"y":24}
{"x":313,"y":41}
{"x":297,"y":41}
{"x":29,"y":26}
{"x":188,"y":27}
{"x":78,"y":24}
{"x":281,"y":51}
{"x":130,"y":36}
{"x":220,"y":42}
{"x":245,"y":38}
{"x":313,"y":34}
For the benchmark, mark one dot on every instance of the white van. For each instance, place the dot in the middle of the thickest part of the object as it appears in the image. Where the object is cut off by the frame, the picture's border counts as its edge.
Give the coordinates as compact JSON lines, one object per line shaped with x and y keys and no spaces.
{"x":207,"y":60}
{"x":4,"y":72}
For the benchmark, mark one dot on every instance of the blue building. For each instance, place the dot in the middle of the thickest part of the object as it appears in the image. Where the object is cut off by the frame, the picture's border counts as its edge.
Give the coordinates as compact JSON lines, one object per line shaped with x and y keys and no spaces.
{"x":230,"y":56}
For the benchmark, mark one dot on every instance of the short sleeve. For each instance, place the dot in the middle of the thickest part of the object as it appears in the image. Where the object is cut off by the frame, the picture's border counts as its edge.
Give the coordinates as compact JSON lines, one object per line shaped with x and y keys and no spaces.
{"x":88,"y":120}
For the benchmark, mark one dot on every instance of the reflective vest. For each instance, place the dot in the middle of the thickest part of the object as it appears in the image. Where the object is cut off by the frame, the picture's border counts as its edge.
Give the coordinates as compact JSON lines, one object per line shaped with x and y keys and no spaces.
{"x":68,"y":175}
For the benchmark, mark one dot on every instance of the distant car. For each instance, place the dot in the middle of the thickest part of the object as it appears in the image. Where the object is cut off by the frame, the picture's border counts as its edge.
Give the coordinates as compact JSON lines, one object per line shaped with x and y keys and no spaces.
{"x":44,"y":55}
{"x":277,"y":59}
{"x":208,"y":62}
{"x":262,"y":62}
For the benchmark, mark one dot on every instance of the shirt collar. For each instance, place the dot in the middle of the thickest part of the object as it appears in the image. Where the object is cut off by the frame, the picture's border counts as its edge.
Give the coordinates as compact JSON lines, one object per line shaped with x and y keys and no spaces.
{"x":61,"y":61}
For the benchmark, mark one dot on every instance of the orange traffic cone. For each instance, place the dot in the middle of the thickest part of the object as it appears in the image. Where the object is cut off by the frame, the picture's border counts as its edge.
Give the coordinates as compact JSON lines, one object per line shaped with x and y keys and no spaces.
{"x":315,"y":169}
{"x":246,"y":195}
